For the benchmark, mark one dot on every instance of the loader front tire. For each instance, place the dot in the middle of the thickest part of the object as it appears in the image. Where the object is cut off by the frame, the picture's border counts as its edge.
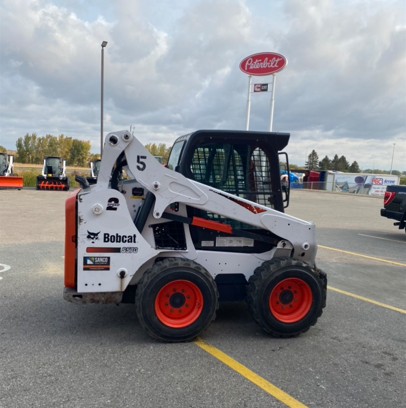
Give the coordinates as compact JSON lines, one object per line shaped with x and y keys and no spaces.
{"x":176,"y":300}
{"x":286,"y":296}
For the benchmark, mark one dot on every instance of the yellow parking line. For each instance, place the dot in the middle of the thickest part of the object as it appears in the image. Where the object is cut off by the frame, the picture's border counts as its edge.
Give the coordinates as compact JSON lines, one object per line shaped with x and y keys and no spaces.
{"x":396,"y":309}
{"x":250,"y":375}
{"x":384,"y":239}
{"x":363,"y":256}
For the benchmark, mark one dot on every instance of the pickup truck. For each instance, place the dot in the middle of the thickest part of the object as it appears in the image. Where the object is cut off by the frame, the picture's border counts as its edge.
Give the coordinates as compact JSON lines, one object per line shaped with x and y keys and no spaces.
{"x":395,"y":205}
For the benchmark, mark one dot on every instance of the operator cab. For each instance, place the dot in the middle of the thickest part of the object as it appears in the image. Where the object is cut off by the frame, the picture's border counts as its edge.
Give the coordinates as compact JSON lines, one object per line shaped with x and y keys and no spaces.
{"x":243,"y":163}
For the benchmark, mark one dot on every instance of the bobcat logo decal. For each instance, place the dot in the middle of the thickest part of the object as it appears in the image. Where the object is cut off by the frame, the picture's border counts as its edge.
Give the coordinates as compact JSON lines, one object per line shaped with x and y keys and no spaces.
{"x":93,"y":236}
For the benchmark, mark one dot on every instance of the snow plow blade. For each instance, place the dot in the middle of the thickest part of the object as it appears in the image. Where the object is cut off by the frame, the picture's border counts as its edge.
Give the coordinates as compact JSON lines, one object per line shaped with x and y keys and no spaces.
{"x":52,"y":183}
{"x":11,"y":182}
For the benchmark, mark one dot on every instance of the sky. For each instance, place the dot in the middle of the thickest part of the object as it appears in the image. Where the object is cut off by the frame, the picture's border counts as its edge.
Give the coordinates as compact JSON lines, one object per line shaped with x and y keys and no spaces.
{"x":171,"y":67}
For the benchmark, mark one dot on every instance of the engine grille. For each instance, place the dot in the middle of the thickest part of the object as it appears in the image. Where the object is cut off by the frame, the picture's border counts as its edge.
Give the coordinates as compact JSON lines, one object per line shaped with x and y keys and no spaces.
{"x":169,"y":235}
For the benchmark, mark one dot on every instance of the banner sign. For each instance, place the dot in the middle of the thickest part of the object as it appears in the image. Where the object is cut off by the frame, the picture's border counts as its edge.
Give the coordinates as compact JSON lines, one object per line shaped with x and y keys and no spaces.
{"x":371,"y":184}
{"x":260,"y":87}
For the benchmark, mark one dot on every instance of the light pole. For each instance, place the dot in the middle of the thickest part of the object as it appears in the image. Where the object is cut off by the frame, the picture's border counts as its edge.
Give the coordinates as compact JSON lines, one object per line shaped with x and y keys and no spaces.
{"x":393,"y":154}
{"x":103,"y":45}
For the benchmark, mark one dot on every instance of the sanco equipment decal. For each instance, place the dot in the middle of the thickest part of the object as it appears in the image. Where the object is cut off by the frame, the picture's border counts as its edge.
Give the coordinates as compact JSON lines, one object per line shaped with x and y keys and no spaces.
{"x":96,"y":263}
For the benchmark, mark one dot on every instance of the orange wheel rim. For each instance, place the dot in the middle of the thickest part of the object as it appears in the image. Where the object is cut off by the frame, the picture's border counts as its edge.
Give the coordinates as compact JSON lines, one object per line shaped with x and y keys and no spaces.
{"x":179,"y":304}
{"x":290,"y":300}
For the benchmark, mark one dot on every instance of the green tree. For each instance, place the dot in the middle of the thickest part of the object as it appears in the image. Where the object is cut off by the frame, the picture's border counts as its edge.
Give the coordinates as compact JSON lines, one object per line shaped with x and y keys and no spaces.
{"x":46,"y":146}
{"x":334,"y":162}
{"x":159,"y":150}
{"x":342,"y":164}
{"x":354,"y":168}
{"x":26,"y":148}
{"x":3,"y":149}
{"x":312,"y":161}
{"x":64,"y":146}
{"x":325,"y":164}
{"x":79,"y":153}
{"x":93,"y":157}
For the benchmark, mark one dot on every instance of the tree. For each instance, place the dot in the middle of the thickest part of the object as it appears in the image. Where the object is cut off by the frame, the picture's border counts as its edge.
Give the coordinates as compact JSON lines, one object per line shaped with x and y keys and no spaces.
{"x":325,"y":164}
{"x":79,"y":153}
{"x":64,"y":146}
{"x":334,"y":162}
{"x":159,"y":150}
{"x":46,"y":146}
{"x":26,"y":148}
{"x":342,"y":164}
{"x":313,"y":161}
{"x":3,"y":149}
{"x":93,"y":156}
{"x":354,"y":168}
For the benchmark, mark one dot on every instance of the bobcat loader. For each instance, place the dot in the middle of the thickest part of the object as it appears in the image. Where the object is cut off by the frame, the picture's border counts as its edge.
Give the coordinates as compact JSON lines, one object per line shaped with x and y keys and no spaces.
{"x":94,"y":171}
{"x":7,"y":177}
{"x":53,"y":176}
{"x":208,"y":226}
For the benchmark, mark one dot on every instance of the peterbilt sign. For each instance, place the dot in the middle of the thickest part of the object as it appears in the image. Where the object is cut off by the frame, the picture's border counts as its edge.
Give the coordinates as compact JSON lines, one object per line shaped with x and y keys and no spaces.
{"x":263,"y":63}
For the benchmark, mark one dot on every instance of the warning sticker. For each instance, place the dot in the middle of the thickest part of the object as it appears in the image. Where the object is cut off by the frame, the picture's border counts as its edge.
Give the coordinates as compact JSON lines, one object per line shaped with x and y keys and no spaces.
{"x":234,"y":242}
{"x":96,"y":263}
{"x":207,"y":243}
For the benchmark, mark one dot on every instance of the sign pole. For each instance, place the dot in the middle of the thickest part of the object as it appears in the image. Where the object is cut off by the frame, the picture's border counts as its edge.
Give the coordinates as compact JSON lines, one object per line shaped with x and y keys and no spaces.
{"x":261,"y":64}
{"x":247,"y":122}
{"x":272,"y":102}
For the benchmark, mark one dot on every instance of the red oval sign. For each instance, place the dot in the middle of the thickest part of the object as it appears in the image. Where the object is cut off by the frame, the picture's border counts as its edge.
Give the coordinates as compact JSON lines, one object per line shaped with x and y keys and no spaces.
{"x":263,"y":63}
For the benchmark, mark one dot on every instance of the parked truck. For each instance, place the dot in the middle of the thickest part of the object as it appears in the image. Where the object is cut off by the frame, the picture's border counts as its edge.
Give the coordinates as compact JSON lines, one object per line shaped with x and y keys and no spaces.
{"x":395,"y":205}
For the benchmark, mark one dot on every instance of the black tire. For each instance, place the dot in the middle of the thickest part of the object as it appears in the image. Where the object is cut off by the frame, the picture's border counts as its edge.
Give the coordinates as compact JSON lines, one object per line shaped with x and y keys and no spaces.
{"x":162,"y":295}
{"x":298,"y":296}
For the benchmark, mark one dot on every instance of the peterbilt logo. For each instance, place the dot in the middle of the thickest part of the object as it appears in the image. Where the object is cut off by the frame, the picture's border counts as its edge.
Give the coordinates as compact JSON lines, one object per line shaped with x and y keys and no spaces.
{"x":263,"y":63}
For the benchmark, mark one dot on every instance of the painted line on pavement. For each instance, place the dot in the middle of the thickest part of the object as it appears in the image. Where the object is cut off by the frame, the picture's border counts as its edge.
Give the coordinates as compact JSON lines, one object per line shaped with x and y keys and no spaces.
{"x":4,"y":268}
{"x":250,"y":375}
{"x":363,"y":256}
{"x":396,"y":309}
{"x":384,"y":239}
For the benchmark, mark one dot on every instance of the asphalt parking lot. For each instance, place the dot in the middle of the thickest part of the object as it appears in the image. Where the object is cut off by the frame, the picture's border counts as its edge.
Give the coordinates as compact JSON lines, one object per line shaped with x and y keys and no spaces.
{"x":56,"y":354}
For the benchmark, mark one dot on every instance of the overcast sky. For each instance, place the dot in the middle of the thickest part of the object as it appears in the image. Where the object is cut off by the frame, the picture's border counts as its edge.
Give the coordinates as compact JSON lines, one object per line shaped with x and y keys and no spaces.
{"x":173,"y":66}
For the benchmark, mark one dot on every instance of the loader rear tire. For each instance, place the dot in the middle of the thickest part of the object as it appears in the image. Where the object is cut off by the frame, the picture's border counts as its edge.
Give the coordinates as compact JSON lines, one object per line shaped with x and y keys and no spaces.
{"x":176,"y":300}
{"x":286,"y":296}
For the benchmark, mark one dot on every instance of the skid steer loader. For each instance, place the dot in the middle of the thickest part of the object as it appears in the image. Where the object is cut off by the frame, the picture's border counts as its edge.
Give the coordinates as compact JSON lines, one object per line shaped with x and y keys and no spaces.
{"x":53,"y":176}
{"x":7,"y":177}
{"x":94,"y":171}
{"x":208,"y":226}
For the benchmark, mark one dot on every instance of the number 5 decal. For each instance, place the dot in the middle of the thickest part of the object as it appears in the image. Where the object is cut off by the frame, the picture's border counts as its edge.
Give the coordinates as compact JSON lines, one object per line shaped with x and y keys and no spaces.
{"x":142,"y":165}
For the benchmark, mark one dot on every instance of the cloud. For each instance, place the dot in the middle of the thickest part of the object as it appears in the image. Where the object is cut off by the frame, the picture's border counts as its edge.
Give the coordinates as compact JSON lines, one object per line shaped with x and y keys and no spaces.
{"x":173,"y":68}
